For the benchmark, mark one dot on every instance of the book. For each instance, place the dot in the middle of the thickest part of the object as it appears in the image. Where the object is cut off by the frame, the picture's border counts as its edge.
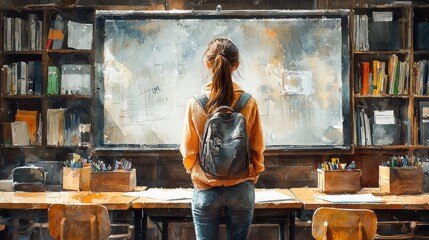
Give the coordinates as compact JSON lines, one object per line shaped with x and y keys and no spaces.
{"x":38,"y":78}
{"x":7,"y":133}
{"x":20,"y":135}
{"x":30,"y":77}
{"x":14,"y":79}
{"x":365,"y":77}
{"x":6,"y":78}
{"x":56,"y":33}
{"x":55,"y":127}
{"x":424,"y":123}
{"x":22,"y":78}
{"x":32,"y":26}
{"x":53,"y":80}
{"x":29,"y":117}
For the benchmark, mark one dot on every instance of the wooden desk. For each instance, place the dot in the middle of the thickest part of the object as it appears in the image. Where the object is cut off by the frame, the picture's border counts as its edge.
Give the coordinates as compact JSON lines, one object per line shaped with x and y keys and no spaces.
{"x":281,"y":213}
{"x":34,"y":205}
{"x":42,"y":200}
{"x":390,"y":202}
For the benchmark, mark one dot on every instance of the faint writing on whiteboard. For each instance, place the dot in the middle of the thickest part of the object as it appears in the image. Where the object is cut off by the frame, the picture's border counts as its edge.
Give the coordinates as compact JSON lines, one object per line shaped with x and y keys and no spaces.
{"x":297,"y":82}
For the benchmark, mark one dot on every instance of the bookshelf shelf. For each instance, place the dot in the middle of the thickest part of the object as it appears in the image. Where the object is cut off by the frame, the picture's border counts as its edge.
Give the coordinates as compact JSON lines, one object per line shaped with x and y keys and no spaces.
{"x":5,"y":147}
{"x":50,"y":147}
{"x":71,"y":97}
{"x":381,"y":96}
{"x":65,"y":51}
{"x":384,"y":147}
{"x":382,"y":52}
{"x":380,"y":6}
{"x":421,"y":52}
{"x":22,"y":53}
{"x":21,"y":97}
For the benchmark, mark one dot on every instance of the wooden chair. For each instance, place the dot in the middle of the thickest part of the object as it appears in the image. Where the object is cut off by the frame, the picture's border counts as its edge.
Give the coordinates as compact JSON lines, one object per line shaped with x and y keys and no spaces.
{"x":78,"y":222}
{"x":339,"y":224}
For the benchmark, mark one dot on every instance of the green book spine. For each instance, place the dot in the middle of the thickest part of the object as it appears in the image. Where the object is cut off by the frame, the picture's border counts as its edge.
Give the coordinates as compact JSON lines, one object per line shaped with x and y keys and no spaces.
{"x":53,"y":80}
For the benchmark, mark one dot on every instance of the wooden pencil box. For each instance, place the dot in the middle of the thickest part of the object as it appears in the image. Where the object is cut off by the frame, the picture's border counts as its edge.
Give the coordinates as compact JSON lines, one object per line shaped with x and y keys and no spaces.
{"x":113,"y":181}
{"x":400,"y":180}
{"x":76,"y":178}
{"x":339,"y":181}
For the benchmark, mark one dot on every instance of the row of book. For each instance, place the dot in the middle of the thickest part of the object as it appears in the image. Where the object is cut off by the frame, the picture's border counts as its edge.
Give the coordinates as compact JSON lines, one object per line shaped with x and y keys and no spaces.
{"x":381,"y":129}
{"x":377,"y":32}
{"x":421,"y":76}
{"x":24,"y":131}
{"x":22,"y":78}
{"x":372,"y":78}
{"x":74,"y":79}
{"x":360,"y":33}
{"x":22,"y":34}
{"x":66,"y":129}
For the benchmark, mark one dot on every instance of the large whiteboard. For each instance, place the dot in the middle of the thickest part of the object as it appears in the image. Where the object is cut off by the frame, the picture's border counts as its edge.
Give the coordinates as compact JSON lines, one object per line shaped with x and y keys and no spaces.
{"x":295,"y":65}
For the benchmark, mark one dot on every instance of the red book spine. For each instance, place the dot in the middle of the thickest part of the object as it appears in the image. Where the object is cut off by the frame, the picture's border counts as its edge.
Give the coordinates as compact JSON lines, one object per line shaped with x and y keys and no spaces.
{"x":365,"y":77}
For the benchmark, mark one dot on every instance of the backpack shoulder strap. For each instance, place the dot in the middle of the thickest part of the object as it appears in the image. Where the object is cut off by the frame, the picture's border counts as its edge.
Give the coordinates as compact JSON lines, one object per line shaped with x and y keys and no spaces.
{"x":241,"y":102}
{"x":202,"y":100}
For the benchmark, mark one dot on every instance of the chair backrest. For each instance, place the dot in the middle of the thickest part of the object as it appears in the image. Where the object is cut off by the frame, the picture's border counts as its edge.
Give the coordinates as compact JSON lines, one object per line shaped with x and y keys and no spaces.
{"x":339,"y":224}
{"x":78,"y":222}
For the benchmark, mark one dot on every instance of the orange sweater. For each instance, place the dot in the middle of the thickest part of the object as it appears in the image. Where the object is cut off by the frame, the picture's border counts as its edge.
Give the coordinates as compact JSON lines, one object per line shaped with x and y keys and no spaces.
{"x":195,"y":119}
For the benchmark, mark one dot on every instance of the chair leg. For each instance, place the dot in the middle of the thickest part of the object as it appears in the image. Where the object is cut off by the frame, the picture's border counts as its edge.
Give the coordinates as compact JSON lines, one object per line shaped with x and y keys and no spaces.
{"x":360,"y":231}
{"x":325,"y":231}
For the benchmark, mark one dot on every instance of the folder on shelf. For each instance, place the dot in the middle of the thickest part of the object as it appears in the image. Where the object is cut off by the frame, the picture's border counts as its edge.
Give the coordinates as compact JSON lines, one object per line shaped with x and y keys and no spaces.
{"x":79,"y":35}
{"x":421,"y":36}
{"x":386,"y":134}
{"x":384,"y":35}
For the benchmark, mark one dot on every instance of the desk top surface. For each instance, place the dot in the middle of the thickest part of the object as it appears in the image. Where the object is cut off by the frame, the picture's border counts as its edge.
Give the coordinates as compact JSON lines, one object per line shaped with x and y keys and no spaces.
{"x":409,"y":202}
{"x":42,"y":200}
{"x":145,"y":202}
{"x":302,"y":197}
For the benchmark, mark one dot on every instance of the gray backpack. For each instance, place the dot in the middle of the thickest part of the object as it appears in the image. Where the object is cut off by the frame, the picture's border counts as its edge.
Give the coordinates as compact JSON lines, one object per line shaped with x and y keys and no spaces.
{"x":224,"y":150}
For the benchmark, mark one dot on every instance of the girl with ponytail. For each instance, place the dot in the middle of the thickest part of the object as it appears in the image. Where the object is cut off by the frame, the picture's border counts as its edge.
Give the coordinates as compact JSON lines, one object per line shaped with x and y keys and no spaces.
{"x":236,"y":196}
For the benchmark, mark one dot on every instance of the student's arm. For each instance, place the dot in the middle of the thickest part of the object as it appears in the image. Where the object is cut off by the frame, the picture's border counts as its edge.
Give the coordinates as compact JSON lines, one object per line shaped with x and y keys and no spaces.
{"x":256,"y":140}
{"x":189,"y":146}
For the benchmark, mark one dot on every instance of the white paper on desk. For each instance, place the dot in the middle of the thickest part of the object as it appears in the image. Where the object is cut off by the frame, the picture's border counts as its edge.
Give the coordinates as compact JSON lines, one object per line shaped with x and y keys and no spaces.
{"x":271,"y":196}
{"x":162,"y":194}
{"x":350,"y":198}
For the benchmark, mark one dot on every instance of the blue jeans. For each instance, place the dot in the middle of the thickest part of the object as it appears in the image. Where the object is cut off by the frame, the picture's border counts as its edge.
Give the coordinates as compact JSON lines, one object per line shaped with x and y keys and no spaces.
{"x":236,"y":201}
